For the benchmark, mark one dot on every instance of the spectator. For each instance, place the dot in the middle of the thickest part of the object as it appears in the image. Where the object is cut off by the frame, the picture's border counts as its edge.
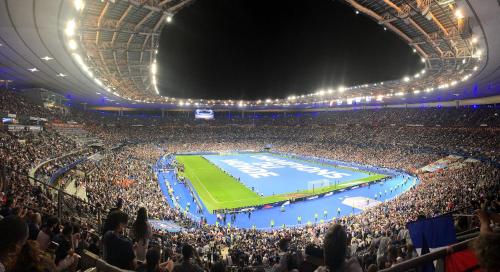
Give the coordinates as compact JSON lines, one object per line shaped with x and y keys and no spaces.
{"x":46,"y":233}
{"x":118,"y":249}
{"x":487,"y":245}
{"x":33,"y":259}
{"x":335,"y":252}
{"x":66,"y":259}
{"x":186,"y":264}
{"x":142,"y":232}
{"x":313,"y":258}
{"x":34,"y":224}
{"x":13,"y":235}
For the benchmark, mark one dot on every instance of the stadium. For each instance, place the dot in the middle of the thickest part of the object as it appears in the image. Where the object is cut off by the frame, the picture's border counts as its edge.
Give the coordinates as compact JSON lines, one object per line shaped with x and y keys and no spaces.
{"x":216,"y":135}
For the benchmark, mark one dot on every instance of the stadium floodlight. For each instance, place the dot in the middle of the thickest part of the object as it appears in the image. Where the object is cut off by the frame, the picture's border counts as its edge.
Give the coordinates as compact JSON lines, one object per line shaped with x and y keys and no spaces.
{"x":423,"y":71}
{"x":70,"y":28}
{"x":416,"y":92}
{"x":72,"y":44}
{"x":478,"y":53}
{"x":268,"y":100}
{"x":423,"y":60}
{"x":169,"y":18}
{"x":330,"y":91}
{"x":341,"y":89}
{"x":414,"y":50}
{"x":475,"y":68}
{"x":153,"y":68}
{"x":459,"y":14}
{"x":79,"y":5}
{"x":399,"y":93}
{"x":474,"y":40}
{"x":406,"y":79}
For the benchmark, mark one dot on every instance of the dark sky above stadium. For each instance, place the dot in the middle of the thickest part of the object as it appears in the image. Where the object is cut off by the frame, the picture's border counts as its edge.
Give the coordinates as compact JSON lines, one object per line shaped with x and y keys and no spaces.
{"x":255,"y":49}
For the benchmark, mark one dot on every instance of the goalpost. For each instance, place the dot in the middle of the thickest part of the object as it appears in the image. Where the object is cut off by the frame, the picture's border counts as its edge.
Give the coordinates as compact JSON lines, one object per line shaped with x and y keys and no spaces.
{"x":320,"y":183}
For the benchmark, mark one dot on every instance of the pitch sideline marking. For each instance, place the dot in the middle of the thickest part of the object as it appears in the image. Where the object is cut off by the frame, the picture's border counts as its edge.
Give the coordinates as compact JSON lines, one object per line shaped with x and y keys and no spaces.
{"x":205,"y":188}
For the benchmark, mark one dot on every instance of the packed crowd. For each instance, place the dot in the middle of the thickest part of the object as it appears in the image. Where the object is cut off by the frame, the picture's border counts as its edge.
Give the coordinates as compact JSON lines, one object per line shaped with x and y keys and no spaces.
{"x":120,"y":185}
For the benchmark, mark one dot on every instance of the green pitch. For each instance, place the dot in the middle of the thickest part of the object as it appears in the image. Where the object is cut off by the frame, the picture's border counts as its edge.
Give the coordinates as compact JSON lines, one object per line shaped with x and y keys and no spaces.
{"x":219,"y":191}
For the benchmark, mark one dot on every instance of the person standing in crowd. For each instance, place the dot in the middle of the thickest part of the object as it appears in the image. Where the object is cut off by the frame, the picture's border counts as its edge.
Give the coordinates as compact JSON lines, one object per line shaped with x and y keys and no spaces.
{"x":66,"y":258}
{"x":117,"y":248}
{"x":335,"y":252}
{"x":141,"y":233}
{"x":47,"y":232}
{"x":186,"y":264}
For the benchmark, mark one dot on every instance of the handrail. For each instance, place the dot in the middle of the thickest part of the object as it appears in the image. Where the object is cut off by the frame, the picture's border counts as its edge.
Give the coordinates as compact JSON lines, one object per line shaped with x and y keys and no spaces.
{"x":429,"y":257}
{"x":35,"y":169}
{"x":58,"y":190}
{"x":90,"y":260}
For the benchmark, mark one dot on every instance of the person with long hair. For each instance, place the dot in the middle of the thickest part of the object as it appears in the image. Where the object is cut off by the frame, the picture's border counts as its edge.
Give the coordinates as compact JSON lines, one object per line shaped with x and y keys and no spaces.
{"x":141,"y":233}
{"x":13,"y":235}
{"x":33,"y":259}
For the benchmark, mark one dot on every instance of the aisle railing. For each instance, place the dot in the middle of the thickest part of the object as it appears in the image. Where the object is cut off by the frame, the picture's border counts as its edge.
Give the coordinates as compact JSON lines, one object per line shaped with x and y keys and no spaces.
{"x":42,"y":197}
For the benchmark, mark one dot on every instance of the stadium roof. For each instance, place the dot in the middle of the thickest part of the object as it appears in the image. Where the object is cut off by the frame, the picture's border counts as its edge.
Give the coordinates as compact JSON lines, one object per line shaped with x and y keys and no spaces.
{"x":103,"y":51}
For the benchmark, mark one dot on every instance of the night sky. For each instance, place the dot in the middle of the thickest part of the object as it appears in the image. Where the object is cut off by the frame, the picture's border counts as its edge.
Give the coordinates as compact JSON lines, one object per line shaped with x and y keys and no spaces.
{"x":255,"y":49}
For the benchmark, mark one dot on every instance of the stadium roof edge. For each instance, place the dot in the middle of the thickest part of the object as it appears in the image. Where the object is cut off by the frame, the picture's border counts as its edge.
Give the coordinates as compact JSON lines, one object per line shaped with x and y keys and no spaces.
{"x":108,"y":59}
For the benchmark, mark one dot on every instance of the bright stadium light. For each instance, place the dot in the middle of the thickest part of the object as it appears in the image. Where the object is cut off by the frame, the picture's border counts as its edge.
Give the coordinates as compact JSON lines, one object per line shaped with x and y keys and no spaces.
{"x":459,"y":14}
{"x":169,"y":18}
{"x":478,"y":53}
{"x":79,"y":5}
{"x":474,"y":40}
{"x":70,"y":28}
{"x":72,"y":44}
{"x":406,"y":79}
{"x":341,"y":89}
{"x":153,"y":68}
